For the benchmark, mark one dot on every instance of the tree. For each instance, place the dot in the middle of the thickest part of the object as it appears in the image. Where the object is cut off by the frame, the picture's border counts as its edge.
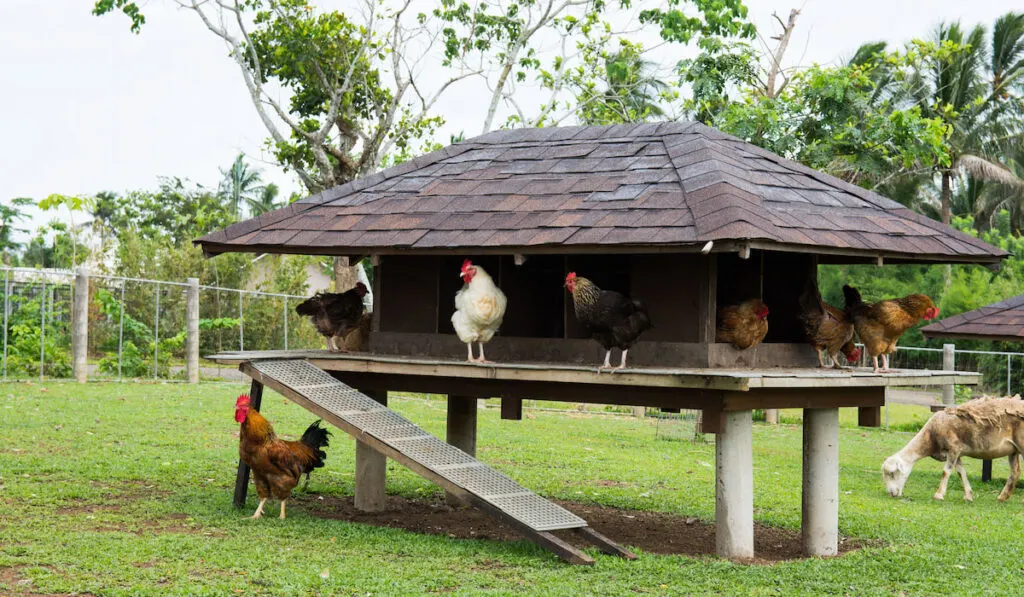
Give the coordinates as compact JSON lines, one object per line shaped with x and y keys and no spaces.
{"x":975,"y":91}
{"x":10,"y":215}
{"x":265,"y":201}
{"x":241,"y":183}
{"x":632,"y":91}
{"x":73,"y":205}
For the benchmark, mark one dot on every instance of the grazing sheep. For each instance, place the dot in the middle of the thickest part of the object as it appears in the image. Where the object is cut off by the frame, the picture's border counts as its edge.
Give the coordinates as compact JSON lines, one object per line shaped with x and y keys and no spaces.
{"x":984,"y":428}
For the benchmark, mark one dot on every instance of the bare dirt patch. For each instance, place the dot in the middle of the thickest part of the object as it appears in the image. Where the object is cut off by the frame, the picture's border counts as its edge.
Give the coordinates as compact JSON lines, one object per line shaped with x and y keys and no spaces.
{"x":13,"y":583}
{"x":652,"y":532}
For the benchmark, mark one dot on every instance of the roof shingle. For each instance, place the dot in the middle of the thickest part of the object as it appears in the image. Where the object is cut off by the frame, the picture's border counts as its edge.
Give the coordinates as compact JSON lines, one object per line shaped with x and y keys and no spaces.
{"x":652,"y":184}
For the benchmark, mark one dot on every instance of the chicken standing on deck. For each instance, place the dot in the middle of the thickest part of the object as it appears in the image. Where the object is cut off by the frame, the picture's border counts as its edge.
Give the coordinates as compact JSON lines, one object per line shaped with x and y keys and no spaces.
{"x":880,"y":325}
{"x":479,"y":309}
{"x":335,"y":314}
{"x":612,"y":319}
{"x":743,"y":325}
{"x":828,"y":329}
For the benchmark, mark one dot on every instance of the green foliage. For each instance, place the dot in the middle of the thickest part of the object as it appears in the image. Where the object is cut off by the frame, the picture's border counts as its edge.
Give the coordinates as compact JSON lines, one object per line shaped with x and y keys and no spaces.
{"x":130,"y":10}
{"x":717,"y":18}
{"x":26,"y":342}
{"x":133,"y":362}
{"x":836,"y":119}
{"x":10,"y":215}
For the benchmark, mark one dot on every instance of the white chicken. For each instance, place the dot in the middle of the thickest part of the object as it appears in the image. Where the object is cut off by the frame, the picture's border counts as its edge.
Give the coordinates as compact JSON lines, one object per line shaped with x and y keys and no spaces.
{"x":479,"y":309}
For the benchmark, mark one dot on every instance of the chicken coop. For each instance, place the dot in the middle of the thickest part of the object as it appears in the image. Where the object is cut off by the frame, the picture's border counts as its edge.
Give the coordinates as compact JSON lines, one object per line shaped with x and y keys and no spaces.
{"x":684,"y":217}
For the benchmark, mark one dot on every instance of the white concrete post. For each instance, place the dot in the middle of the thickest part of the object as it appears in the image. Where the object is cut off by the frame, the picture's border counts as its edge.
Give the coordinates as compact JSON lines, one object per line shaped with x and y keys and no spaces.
{"x":948,"y":364}
{"x":820,"y":526}
{"x":771,"y":416}
{"x":80,"y":333}
{"x":192,"y":331}
{"x":734,"y":487}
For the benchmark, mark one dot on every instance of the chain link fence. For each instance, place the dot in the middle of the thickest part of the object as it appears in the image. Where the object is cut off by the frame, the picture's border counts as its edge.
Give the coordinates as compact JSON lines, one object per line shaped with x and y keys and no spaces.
{"x":137,"y":326}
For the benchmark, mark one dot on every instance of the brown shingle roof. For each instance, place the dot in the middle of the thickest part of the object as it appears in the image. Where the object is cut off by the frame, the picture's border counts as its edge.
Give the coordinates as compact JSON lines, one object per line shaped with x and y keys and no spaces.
{"x":647,"y":185}
{"x":999,"y":321}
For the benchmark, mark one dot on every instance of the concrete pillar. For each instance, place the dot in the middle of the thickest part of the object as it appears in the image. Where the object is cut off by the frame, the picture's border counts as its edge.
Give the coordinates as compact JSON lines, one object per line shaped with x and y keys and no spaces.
{"x":461,"y":432}
{"x":192,"y":331}
{"x":820,"y":525}
{"x":371,"y":469}
{"x":734,"y":487}
{"x":771,"y":416}
{"x":948,"y":364}
{"x":80,"y":329}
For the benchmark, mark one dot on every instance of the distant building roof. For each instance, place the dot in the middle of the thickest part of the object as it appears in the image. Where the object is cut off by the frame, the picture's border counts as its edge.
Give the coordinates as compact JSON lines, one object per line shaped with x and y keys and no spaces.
{"x":1002,"y":321}
{"x":623,"y":187}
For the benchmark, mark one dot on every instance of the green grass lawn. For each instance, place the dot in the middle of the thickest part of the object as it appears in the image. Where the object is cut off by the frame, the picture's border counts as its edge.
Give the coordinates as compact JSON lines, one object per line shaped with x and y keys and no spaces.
{"x":125,"y":489}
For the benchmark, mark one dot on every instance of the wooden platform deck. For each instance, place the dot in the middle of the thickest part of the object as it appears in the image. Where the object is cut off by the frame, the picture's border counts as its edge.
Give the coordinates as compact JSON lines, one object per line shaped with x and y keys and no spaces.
{"x":741,"y":380}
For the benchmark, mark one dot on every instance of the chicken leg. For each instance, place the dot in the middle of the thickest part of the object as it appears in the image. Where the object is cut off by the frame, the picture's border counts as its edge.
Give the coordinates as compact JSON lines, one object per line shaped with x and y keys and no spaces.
{"x":259,"y":509}
{"x":821,"y":361}
{"x":282,"y":508}
{"x":469,"y":352}
{"x":622,"y":363}
{"x":607,"y":362}
{"x":482,"y":358}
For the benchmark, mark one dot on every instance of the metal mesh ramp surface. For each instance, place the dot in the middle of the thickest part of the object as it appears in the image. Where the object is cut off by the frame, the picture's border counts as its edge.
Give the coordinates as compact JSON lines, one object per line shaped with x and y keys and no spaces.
{"x":446,"y":461}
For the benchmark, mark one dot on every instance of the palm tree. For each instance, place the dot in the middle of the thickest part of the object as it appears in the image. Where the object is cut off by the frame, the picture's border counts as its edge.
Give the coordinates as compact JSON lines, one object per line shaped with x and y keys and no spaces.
{"x":631,"y":93}
{"x":240,"y":184}
{"x":264,"y":202}
{"x":973,"y":92}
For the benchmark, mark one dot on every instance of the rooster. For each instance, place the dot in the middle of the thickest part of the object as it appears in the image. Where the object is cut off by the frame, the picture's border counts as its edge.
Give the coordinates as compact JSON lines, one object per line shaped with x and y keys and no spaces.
{"x":880,"y":325}
{"x":277,"y":465}
{"x":743,"y":325}
{"x":335,"y":314}
{"x":608,"y":317}
{"x":828,"y":329}
{"x":479,"y":309}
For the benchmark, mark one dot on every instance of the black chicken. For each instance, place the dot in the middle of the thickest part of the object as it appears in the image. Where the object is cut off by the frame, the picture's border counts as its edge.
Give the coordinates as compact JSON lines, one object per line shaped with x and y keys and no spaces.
{"x":610,"y":318}
{"x":335,"y":314}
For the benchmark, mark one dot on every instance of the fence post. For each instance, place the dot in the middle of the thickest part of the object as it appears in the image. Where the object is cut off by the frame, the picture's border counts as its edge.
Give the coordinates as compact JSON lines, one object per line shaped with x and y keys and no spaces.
{"x":948,"y":364}
{"x":7,"y":302}
{"x":80,"y":336}
{"x":192,"y":331}
{"x":156,"y":333}
{"x":241,"y":324}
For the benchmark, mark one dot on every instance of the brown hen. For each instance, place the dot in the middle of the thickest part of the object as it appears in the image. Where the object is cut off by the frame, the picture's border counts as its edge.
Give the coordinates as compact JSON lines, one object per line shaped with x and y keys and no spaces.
{"x":743,"y":325}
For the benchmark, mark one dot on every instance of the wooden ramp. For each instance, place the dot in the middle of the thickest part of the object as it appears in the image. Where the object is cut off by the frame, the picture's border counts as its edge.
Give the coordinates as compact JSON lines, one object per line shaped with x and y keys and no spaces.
{"x":457,"y":472}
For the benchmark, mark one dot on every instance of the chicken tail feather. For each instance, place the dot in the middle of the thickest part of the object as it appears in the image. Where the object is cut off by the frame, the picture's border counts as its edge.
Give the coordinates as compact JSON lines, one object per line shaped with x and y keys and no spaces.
{"x":852,"y":297}
{"x":316,"y":438}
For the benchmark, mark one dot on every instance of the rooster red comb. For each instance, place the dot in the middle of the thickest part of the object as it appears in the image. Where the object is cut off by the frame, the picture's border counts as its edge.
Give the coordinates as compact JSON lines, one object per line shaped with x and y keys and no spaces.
{"x":571,"y":276}
{"x":243,"y":400}
{"x":466,"y":264}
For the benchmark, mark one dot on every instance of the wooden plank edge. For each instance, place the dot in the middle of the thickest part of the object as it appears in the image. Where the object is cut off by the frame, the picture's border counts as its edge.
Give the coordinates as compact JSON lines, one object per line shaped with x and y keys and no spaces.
{"x":605,"y":544}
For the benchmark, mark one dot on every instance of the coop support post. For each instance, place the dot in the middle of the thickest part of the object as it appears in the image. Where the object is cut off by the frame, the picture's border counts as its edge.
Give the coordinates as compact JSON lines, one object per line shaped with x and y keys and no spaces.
{"x":734,"y":486}
{"x":820,"y":525}
{"x":80,"y":335}
{"x":242,"y":478}
{"x":371,"y":469}
{"x":461,"y":432}
{"x":771,"y":416}
{"x":192,"y":330}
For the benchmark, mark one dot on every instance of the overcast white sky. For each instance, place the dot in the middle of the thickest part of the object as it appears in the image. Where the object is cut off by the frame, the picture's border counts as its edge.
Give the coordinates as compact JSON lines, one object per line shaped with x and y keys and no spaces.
{"x":86,"y":106}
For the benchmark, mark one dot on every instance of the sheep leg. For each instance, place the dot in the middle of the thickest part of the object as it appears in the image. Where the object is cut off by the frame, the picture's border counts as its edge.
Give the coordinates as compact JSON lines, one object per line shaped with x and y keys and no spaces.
{"x":968,"y":492}
{"x":940,"y":493}
{"x":1011,"y":480}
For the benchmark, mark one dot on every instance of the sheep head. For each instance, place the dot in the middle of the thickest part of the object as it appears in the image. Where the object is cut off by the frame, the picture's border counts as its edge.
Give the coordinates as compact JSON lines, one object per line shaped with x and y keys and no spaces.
{"x":895,"y":471}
